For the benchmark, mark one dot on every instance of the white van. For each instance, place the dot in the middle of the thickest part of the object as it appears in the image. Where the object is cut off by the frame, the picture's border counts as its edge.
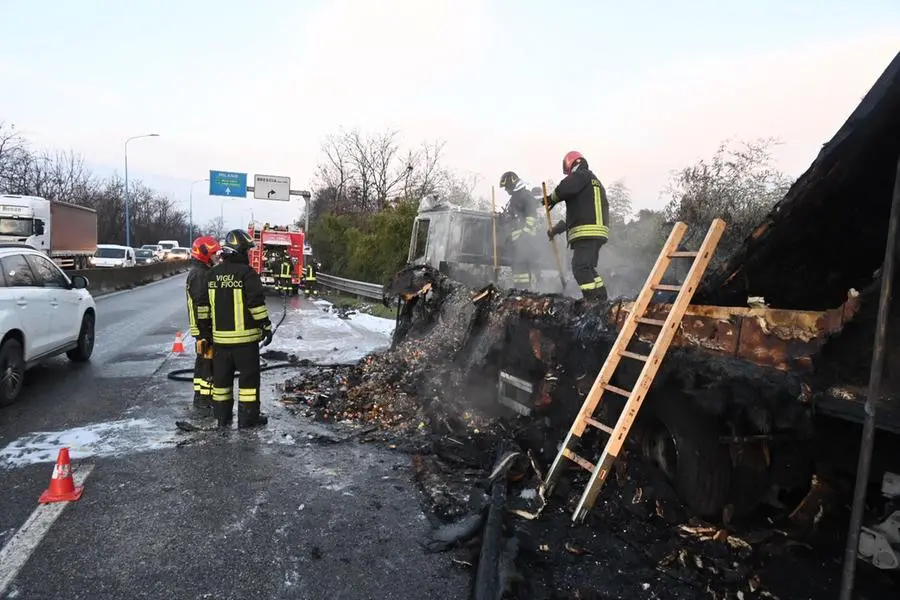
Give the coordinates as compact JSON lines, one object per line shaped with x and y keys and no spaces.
{"x":167,"y":246}
{"x":112,"y":255}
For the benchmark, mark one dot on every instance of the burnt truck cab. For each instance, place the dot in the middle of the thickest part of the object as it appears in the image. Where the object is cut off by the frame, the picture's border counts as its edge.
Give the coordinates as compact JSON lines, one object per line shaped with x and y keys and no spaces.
{"x":459,"y":242}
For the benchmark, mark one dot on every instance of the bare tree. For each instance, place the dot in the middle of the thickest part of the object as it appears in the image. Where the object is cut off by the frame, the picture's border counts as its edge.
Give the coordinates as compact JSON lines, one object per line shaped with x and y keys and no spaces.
{"x":363,"y":173}
{"x":215,"y":227}
{"x":619,"y":197}
{"x":739,"y":184}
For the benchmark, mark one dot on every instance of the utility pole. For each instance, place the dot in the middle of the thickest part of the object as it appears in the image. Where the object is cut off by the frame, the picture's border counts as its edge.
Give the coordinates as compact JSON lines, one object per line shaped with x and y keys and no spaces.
{"x":191,"y":230}
{"x":127,"y":198}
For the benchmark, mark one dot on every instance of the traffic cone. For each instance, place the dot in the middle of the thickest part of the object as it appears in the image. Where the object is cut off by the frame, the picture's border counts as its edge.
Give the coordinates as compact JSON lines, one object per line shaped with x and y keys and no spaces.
{"x":62,"y":485}
{"x":178,"y":346}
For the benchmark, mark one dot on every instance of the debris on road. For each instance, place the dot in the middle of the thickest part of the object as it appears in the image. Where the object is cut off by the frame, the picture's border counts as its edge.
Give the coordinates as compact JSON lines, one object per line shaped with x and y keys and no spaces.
{"x":434,"y":395}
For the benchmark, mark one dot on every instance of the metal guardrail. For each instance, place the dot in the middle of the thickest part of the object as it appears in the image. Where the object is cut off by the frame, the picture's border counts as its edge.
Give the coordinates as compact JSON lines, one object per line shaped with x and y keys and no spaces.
{"x":349,"y":286}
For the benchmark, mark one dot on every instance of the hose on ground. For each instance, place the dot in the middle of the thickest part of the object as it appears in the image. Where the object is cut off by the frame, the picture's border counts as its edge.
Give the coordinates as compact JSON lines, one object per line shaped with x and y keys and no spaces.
{"x":187,"y":375}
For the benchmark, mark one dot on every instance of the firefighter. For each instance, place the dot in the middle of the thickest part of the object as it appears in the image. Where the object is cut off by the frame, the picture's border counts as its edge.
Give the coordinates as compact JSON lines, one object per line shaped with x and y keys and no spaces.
{"x":586,"y":224}
{"x":203,"y":253}
{"x":239,"y":320}
{"x":524,"y":228}
{"x":285,"y":283}
{"x":309,"y":277}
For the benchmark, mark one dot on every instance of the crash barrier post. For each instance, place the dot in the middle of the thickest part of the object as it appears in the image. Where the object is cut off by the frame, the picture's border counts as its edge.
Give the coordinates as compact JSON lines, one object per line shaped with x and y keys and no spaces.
{"x":372,"y":291}
{"x":107,"y":280}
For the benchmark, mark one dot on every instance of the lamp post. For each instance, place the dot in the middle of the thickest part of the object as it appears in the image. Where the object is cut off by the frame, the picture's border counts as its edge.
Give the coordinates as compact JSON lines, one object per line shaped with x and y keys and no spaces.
{"x":127,"y":199}
{"x":191,"y":229}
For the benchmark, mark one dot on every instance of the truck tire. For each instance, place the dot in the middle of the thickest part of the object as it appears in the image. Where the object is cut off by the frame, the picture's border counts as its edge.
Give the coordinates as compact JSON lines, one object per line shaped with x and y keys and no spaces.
{"x":12,"y":370}
{"x":82,"y":352}
{"x":683,"y":443}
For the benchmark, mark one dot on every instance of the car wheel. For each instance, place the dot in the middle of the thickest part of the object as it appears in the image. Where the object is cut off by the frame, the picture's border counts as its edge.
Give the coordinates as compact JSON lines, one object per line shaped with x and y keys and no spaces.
{"x":82,"y":352}
{"x":12,"y":370}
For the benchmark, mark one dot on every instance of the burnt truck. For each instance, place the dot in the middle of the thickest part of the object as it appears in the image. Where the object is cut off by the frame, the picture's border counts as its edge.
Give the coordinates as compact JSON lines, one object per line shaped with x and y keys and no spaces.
{"x":66,"y":232}
{"x":755,"y":403}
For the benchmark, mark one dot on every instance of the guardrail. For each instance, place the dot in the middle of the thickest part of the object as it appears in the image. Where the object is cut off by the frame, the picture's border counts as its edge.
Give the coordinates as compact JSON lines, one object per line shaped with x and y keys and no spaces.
{"x":349,"y":286}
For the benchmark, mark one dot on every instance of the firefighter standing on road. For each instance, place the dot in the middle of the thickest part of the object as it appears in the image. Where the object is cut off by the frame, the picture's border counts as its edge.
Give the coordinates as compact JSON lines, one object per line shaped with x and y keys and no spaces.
{"x":309,"y":277}
{"x":586,"y":224}
{"x":239,"y":320}
{"x":524,"y":228}
{"x":285,"y":284}
{"x":203,"y":253}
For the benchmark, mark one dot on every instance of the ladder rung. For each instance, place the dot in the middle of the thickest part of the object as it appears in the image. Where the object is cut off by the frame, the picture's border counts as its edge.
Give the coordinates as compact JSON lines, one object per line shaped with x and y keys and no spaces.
{"x":634,"y":356}
{"x":617,"y":390}
{"x":646,"y":321}
{"x":665,"y":287}
{"x":598,"y":425}
{"x":582,"y":462}
{"x":681,"y":254}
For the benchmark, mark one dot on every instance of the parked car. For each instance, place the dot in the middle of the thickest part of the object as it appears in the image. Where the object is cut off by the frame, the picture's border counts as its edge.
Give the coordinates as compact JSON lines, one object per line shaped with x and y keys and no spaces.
{"x":145,"y":257}
{"x":179,"y":253}
{"x":112,"y":255}
{"x":157,"y":250}
{"x":43,"y":313}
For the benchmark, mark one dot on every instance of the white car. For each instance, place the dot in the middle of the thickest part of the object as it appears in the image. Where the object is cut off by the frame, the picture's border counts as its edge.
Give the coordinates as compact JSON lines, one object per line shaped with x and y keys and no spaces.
{"x":112,"y":255}
{"x":43,"y":313}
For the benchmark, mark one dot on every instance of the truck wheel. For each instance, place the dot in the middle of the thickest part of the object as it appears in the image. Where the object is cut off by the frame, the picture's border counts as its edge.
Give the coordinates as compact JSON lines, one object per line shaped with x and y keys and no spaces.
{"x":683,"y":443}
{"x":82,"y":352}
{"x":12,"y":370}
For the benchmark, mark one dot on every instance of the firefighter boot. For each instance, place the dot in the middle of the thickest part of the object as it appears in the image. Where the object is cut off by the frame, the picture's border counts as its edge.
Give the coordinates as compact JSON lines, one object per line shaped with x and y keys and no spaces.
{"x":249,"y":415}
{"x":600,"y":295}
{"x":223,"y":411}
{"x":201,"y":402}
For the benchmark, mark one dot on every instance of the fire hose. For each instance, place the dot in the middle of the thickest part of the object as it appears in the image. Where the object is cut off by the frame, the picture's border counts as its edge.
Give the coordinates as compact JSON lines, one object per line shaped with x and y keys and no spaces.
{"x":187,"y":375}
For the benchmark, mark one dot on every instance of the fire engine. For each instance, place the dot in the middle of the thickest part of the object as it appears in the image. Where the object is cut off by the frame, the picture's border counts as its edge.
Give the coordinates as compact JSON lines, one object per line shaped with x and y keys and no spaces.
{"x":271,"y":244}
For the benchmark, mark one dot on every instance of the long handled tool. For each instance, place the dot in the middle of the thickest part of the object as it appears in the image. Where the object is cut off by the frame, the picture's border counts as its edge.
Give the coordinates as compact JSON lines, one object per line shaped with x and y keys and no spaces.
{"x":494,"y":225}
{"x":562,"y":279}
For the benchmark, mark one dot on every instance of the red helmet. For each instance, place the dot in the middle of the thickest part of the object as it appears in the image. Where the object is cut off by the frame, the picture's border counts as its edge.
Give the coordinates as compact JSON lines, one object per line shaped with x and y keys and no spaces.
{"x":570,"y":159}
{"x":204,"y":248}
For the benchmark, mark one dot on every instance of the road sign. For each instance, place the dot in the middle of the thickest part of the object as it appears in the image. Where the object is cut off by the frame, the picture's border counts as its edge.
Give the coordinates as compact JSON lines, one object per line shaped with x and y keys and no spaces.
{"x":272,"y":187}
{"x":228,"y":184}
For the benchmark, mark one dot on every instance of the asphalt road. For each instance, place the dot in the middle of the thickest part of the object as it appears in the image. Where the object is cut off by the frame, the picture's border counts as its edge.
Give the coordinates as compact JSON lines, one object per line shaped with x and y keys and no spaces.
{"x":237,"y":514}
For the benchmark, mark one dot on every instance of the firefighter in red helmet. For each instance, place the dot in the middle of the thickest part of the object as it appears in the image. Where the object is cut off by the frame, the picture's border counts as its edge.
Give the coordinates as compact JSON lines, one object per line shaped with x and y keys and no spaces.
{"x":204,"y":251}
{"x":586,"y":223}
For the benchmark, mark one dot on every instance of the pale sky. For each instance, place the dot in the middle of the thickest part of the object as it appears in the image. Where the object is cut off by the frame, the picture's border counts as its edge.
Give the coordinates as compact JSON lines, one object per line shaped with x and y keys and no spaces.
{"x":640,"y":88}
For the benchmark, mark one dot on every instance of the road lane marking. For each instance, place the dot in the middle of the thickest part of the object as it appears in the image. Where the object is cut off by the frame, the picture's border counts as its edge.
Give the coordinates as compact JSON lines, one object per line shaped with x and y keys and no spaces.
{"x":22,"y":544}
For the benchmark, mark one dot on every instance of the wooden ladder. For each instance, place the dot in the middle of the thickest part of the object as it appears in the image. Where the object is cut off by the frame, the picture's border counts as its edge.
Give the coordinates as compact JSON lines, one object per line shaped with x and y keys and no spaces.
{"x":667,"y":329}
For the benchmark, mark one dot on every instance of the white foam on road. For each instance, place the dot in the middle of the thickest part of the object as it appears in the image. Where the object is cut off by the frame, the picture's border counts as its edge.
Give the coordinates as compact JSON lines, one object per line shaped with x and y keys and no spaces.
{"x":20,"y":546}
{"x":113,"y":438}
{"x":318,"y":334}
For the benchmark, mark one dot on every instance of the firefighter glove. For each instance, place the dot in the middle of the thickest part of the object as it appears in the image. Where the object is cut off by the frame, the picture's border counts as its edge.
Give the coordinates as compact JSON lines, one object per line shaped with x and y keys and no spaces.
{"x":551,"y":234}
{"x":267,"y":337}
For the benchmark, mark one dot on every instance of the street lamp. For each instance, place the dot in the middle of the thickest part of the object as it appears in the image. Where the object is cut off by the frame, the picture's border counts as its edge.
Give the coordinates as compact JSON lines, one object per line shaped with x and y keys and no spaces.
{"x":127,"y":199}
{"x":191,"y":231}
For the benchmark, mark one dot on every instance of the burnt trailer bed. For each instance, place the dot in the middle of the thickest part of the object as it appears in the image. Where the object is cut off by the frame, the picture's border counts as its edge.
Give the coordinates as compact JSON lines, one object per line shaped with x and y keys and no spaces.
{"x":815,"y":344}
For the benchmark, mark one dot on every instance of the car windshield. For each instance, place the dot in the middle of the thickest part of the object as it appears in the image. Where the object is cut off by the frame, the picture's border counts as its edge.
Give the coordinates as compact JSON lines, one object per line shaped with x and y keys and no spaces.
{"x":150,"y":247}
{"x":167,"y":246}
{"x":110,"y":253}
{"x":143,"y":253}
{"x":17,"y":227}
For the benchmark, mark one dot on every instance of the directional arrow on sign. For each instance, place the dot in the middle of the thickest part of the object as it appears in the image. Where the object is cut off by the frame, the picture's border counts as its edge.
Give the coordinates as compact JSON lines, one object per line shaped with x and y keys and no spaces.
{"x":228,"y":191}
{"x":270,"y":194}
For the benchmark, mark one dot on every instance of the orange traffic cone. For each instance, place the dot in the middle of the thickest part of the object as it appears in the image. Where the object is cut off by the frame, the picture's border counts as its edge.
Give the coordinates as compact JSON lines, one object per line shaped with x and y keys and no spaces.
{"x":62,"y":485}
{"x":178,"y":346}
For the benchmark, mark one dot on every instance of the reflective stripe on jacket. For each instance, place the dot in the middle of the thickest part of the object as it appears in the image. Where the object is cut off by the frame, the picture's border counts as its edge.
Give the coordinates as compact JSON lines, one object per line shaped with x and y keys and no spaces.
{"x":197,"y":298}
{"x":587,"y":210}
{"x":237,"y":303}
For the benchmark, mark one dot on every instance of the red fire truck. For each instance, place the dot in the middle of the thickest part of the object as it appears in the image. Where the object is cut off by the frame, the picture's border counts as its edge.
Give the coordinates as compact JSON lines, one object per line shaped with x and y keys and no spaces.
{"x":271,"y":244}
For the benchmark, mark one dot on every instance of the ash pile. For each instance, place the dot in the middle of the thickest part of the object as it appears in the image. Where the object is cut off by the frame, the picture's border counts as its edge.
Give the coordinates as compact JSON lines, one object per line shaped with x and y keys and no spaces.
{"x":480,"y":465}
